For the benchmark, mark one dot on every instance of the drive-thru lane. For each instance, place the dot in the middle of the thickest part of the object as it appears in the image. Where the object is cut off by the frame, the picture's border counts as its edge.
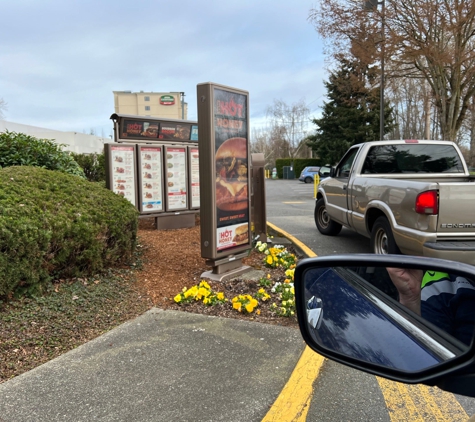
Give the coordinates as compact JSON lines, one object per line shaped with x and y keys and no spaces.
{"x":341,"y":393}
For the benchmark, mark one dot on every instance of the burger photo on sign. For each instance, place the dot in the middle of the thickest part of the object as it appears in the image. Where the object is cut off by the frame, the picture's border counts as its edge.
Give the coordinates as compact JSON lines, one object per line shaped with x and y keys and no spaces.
{"x":231,"y":175}
{"x":241,"y":234}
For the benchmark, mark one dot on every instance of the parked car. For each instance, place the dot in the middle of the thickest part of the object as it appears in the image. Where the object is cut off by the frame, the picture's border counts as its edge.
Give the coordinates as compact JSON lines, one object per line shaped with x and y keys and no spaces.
{"x":350,"y":310}
{"x":307,"y":175}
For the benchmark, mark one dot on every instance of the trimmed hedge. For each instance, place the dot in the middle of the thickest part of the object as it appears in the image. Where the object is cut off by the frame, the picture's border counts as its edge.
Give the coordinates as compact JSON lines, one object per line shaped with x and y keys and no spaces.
{"x":299,"y":165}
{"x":54,"y":225}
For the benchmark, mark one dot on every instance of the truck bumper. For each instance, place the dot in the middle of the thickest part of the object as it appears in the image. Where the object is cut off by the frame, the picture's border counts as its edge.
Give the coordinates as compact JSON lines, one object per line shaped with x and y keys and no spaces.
{"x":460,"y":251}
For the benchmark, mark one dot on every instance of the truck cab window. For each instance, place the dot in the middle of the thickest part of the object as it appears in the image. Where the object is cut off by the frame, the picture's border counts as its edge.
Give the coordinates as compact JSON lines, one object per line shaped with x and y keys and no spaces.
{"x":344,"y":167}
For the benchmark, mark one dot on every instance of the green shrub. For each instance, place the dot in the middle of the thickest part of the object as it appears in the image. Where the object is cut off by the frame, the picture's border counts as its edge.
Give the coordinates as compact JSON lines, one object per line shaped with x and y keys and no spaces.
{"x":93,"y":166}
{"x":18,"y":149}
{"x":54,"y":225}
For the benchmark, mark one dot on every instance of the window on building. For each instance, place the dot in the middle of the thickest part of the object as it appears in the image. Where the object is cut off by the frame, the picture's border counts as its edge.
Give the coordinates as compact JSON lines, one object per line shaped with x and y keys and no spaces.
{"x":147,"y":108}
{"x":146,"y":98}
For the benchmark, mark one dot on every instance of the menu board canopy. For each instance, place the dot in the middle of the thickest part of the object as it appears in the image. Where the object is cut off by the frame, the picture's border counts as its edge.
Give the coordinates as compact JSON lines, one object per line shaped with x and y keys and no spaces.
{"x":145,"y":128}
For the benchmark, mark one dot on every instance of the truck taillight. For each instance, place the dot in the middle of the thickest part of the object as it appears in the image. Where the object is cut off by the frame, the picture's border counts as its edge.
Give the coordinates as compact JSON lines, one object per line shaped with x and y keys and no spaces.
{"x":427,"y":203}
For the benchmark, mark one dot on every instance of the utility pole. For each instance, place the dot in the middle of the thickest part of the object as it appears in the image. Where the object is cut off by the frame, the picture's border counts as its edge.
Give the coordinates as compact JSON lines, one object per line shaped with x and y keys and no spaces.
{"x":182,"y":94}
{"x":372,"y":5}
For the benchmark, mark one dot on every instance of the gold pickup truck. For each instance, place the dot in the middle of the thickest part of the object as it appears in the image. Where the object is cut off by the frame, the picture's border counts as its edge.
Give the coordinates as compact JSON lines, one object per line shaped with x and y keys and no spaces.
{"x":411,"y":197}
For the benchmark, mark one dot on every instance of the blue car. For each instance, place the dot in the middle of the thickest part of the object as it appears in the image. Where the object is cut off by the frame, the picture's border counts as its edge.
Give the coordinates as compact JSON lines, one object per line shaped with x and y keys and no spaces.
{"x":308,"y":173}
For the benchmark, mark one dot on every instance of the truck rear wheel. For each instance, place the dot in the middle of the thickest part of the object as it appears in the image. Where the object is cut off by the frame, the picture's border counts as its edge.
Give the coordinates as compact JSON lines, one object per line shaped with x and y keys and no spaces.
{"x":325,"y":224}
{"x":382,"y":239}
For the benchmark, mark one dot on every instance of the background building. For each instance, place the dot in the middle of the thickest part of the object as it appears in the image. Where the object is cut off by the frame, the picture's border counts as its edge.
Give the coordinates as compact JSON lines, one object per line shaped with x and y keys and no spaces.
{"x":167,"y":105}
{"x":72,"y":141}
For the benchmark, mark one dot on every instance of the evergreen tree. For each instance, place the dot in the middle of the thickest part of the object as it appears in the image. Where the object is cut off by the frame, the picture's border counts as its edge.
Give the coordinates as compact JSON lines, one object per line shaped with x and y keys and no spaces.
{"x":351,"y":116}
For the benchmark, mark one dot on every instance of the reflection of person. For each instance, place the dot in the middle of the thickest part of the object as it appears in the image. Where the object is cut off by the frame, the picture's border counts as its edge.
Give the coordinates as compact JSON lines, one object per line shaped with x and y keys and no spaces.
{"x":448,"y":302}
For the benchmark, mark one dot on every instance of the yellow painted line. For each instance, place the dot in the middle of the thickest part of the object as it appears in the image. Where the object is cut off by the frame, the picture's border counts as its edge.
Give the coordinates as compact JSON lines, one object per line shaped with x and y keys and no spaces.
{"x":295,"y":202}
{"x":304,"y":248}
{"x":414,"y":403}
{"x":420,"y":403}
{"x":293,"y":402}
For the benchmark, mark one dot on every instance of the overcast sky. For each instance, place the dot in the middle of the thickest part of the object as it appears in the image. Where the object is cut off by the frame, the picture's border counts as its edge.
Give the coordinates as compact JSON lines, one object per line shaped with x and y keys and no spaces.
{"x":60,"y":60}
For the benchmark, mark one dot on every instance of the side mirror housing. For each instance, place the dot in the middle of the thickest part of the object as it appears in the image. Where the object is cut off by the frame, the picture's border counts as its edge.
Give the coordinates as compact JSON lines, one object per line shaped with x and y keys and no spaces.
{"x":350,"y":310}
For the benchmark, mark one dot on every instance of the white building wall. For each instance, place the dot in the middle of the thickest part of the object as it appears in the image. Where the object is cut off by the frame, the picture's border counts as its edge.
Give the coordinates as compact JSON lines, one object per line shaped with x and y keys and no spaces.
{"x":75,"y":142}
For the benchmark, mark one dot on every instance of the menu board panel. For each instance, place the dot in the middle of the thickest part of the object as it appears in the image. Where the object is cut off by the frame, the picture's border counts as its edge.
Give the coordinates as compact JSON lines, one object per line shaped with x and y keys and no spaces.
{"x":194,"y":177}
{"x":194,"y":133}
{"x":232,"y":175}
{"x":122,"y":171}
{"x":139,"y":129}
{"x":175,"y":131}
{"x":176,"y":178}
{"x":150,"y":178}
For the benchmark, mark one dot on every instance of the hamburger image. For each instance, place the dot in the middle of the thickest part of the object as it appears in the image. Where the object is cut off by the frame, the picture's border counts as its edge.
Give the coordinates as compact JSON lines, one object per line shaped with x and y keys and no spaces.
{"x":151,"y":131}
{"x":241,"y":234}
{"x":231,"y":175}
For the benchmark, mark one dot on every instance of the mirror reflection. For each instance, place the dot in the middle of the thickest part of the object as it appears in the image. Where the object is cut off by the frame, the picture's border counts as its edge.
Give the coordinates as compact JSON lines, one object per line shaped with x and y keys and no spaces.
{"x":401,"y":318}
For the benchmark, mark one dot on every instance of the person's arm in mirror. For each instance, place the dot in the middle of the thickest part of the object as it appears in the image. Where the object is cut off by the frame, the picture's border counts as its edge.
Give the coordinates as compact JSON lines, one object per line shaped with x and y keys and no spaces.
{"x":408,"y":284}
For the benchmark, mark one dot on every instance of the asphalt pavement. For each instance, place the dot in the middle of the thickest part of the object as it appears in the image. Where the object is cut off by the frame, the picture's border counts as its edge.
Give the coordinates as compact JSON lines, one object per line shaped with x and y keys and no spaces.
{"x":161,"y":366}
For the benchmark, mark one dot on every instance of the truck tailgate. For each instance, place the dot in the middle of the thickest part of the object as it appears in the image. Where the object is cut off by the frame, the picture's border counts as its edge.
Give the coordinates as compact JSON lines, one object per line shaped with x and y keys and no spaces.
{"x":456,"y":210}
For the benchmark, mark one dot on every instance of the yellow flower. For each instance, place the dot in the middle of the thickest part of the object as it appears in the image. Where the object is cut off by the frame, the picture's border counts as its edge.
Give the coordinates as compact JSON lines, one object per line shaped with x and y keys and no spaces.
{"x":237,"y":305}
{"x":249,"y":308}
{"x":254,"y":302}
{"x":269,"y":259}
{"x":205,"y":285}
{"x":177,"y":298}
{"x":258,"y":312}
{"x":203,"y":292}
{"x":292,"y":290}
{"x":206,"y":300}
{"x":268,"y":276}
{"x":184,"y":289}
{"x":284,"y":303}
{"x":220,"y":296}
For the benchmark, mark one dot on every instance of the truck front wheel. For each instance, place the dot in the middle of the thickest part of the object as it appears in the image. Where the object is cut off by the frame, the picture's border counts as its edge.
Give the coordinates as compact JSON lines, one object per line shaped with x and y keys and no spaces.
{"x":325,"y":224}
{"x":382,"y":239}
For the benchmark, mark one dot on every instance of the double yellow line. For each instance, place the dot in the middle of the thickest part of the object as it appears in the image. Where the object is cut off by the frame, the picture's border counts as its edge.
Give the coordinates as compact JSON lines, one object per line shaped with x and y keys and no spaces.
{"x":414,"y":403}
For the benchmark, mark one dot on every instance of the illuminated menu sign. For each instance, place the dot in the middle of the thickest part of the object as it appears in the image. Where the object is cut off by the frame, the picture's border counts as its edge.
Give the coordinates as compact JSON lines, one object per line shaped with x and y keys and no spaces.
{"x":231,"y":164}
{"x":122,"y":171}
{"x":194,"y":176}
{"x":174,"y":131}
{"x":141,"y":129}
{"x":176,"y":180}
{"x":150,"y":179}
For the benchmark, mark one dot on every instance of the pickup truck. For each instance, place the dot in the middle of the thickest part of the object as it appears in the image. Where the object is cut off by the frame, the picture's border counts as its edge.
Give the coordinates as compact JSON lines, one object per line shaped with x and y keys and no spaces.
{"x":412,"y":197}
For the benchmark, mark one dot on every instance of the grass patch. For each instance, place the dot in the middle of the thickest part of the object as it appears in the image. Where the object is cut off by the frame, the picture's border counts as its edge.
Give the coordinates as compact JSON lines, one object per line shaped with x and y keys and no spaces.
{"x":70,"y":313}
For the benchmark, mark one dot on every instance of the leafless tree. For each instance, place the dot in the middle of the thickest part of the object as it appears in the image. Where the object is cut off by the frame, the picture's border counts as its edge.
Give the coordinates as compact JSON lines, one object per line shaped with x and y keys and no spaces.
{"x":431,"y":40}
{"x":269,"y":141}
{"x":288,"y":123}
{"x":3,"y":108}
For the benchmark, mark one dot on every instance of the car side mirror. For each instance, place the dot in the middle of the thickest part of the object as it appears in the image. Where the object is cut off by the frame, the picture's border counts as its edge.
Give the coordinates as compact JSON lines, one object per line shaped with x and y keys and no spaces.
{"x":352,"y":309}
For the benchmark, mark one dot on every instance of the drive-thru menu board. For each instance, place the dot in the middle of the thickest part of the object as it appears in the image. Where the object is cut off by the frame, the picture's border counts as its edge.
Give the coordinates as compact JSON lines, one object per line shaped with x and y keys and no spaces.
{"x":176,"y":178}
{"x":194,"y":177}
{"x":150,"y":178}
{"x":122,"y":172}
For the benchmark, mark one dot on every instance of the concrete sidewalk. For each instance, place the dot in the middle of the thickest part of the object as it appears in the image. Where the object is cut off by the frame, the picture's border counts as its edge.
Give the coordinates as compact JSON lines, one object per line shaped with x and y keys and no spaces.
{"x":161,"y":366}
